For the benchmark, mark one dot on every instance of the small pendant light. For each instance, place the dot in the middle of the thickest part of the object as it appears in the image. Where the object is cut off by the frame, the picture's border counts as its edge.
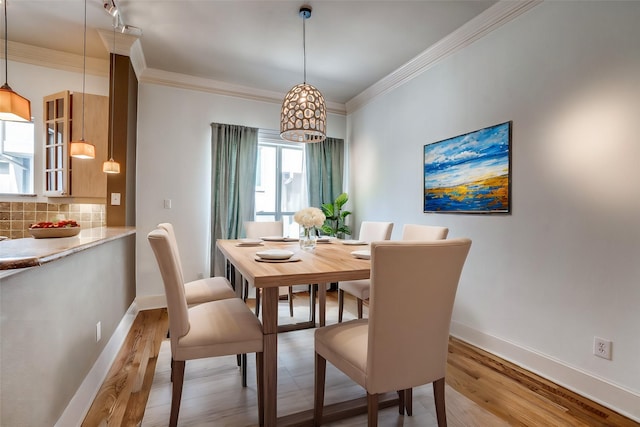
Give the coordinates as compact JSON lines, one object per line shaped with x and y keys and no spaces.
{"x":111,"y":166}
{"x":12,"y":106}
{"x":304,"y":113}
{"x":82,"y":149}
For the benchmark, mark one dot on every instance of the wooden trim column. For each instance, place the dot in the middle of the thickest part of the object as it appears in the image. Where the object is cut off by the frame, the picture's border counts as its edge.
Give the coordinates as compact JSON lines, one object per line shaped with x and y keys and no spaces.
{"x":122,"y":123}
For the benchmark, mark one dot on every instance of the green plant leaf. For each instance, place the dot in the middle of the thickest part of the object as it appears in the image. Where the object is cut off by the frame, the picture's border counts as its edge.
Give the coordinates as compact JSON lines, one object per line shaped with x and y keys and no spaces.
{"x":341,"y":200}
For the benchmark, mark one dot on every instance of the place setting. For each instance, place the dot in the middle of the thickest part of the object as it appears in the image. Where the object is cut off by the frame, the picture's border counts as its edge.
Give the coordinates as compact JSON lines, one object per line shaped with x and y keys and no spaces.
{"x":363,"y":254}
{"x":279,"y":239}
{"x":354,"y":242}
{"x":249,"y":242}
{"x":276,"y":255}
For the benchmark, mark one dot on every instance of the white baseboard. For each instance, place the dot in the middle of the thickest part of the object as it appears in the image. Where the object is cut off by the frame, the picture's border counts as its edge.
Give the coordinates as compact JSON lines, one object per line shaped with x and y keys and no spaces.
{"x":80,"y":403}
{"x":615,"y":397}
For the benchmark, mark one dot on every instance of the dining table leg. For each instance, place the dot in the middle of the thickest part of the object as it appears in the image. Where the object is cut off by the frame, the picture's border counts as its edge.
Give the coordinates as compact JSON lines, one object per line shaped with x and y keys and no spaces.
{"x":322,"y":303}
{"x":270,"y":354}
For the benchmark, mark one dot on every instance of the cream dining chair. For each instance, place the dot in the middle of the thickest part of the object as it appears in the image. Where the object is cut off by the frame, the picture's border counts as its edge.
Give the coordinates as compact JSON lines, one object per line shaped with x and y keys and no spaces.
{"x":370,"y":231}
{"x":202,"y":290}
{"x":404,"y":342}
{"x":256,"y":230}
{"x":216,"y":328}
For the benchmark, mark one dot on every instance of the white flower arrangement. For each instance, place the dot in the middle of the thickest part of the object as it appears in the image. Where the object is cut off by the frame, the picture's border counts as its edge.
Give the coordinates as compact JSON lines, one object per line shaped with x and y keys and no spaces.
{"x":309,"y":217}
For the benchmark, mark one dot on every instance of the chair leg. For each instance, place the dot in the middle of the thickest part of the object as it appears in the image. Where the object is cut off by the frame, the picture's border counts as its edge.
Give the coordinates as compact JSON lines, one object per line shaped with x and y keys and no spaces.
{"x":243,"y":368}
{"x":260,"y":385}
{"x":245,"y":290}
{"x":359,"y":308}
{"x":340,"y":304}
{"x":177,"y":368}
{"x":372,"y":410}
{"x":438,"y":396}
{"x":290,"y":301}
{"x":408,"y":401}
{"x":318,"y":389}
{"x":401,"y":402}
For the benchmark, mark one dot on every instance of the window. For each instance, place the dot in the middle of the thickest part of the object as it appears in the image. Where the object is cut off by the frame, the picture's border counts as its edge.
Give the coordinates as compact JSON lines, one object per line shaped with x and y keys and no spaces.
{"x":280,"y":181}
{"x":16,"y":157}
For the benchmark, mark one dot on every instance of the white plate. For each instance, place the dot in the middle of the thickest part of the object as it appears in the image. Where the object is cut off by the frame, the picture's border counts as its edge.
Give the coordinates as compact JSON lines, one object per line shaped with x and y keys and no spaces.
{"x":292,"y":259}
{"x":354,"y":242}
{"x":279,"y":239}
{"x":274,"y":254}
{"x":323,"y":240}
{"x":249,"y":242}
{"x":362,"y":254}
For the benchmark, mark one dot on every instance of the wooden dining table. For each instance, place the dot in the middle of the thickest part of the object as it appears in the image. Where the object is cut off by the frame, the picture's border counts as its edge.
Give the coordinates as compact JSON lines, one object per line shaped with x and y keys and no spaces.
{"x":327,"y":263}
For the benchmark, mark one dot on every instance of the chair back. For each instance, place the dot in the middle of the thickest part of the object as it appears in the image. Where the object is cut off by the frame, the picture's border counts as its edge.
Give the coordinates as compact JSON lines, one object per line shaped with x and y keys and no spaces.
{"x":413,"y":287}
{"x":173,"y":285}
{"x":424,"y":232}
{"x":257,"y":229}
{"x":372,"y":231}
{"x":168,"y":227}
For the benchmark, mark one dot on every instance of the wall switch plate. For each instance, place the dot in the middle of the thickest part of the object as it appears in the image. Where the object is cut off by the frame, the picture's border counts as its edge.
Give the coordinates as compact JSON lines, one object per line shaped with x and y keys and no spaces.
{"x":115,"y":199}
{"x":167,"y":203}
{"x":98,"y":331}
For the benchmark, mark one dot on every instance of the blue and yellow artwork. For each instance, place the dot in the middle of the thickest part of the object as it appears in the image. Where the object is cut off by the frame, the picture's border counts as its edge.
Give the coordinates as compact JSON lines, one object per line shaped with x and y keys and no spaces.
{"x":469,"y":173}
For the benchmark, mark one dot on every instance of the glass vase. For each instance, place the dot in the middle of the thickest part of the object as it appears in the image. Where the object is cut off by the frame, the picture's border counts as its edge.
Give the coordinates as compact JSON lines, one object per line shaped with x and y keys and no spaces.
{"x":307,"y":238}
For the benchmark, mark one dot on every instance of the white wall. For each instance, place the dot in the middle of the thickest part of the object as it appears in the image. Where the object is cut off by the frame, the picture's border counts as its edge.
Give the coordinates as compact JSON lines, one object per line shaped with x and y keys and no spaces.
{"x":174,"y":162}
{"x":540,"y":283}
{"x":35,"y":82}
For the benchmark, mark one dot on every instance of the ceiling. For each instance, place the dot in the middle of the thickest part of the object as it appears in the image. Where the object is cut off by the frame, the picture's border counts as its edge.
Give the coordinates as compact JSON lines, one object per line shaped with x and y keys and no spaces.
{"x":350,"y":45}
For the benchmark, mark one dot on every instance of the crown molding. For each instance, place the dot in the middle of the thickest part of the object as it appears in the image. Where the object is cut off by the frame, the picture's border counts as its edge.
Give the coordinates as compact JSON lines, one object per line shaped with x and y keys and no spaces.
{"x":126,"y":45}
{"x":166,"y":78}
{"x":492,"y":18}
{"x":42,"y":57}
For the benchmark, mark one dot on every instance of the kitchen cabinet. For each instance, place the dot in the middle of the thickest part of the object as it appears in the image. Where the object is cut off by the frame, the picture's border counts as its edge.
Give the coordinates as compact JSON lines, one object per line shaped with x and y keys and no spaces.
{"x":66,"y":176}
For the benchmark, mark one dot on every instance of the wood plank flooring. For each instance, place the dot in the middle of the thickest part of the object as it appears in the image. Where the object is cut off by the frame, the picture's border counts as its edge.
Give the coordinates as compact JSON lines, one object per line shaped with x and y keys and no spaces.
{"x":482,"y":390}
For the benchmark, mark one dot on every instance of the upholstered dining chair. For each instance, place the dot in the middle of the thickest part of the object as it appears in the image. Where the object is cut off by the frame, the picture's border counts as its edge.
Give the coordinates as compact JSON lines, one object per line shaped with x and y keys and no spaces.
{"x":370,"y":231}
{"x":202,"y":290}
{"x":256,"y":230}
{"x":424,"y":232}
{"x":404,"y":342}
{"x":215,"y":328}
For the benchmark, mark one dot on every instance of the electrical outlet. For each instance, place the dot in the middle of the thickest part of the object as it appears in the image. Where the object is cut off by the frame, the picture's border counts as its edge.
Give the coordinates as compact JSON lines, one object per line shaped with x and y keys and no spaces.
{"x":602,"y":348}
{"x":98,"y":331}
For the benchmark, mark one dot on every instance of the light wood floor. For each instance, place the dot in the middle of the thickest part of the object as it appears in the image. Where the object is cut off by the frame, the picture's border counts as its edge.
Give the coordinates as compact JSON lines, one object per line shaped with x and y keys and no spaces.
{"x":482,"y":390}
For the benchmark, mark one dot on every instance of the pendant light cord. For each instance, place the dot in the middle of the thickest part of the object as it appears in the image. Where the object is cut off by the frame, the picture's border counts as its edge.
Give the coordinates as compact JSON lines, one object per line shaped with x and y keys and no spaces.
{"x":84,"y":62}
{"x":113,"y":90}
{"x":6,"y":48}
{"x":304,"y":49}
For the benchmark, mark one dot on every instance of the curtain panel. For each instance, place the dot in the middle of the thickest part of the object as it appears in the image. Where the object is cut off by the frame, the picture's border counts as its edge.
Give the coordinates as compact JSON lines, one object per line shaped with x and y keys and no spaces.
{"x":325,"y":168}
{"x":233,"y":176}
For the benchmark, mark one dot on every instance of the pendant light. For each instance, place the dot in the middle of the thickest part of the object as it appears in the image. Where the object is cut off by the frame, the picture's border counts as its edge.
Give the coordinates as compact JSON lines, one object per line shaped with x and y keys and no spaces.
{"x":82,"y":149}
{"x":111,"y":166}
{"x":304,"y":113}
{"x":12,"y":106}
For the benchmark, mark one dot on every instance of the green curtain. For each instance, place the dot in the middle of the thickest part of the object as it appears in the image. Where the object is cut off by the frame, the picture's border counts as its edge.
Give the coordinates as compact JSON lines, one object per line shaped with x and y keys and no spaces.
{"x":233,"y":166}
{"x":325,"y":165}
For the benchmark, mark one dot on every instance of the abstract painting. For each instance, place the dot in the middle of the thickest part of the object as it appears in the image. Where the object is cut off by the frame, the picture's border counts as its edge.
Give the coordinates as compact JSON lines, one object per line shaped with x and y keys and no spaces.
{"x":470,"y":173}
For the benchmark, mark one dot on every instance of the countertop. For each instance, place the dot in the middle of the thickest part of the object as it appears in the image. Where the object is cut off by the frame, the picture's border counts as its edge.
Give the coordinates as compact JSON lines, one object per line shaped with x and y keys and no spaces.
{"x":16,"y":254}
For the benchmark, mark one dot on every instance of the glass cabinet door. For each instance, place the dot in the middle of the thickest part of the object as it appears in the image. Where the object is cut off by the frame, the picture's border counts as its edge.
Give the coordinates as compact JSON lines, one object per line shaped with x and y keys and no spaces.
{"x":57,"y":124}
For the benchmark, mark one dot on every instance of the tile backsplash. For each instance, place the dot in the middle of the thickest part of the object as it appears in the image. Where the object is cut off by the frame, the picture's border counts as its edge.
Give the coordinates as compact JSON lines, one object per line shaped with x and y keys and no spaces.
{"x":16,"y":217}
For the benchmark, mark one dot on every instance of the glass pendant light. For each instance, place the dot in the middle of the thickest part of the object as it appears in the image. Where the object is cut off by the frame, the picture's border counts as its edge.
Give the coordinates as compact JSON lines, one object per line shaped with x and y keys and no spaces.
{"x":82,"y":149}
{"x":304,"y":113}
{"x":111,"y":166}
{"x":12,"y":106}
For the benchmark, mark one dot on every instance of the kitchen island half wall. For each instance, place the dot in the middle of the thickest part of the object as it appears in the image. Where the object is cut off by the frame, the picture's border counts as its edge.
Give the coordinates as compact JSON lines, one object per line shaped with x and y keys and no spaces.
{"x":49,"y":316}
